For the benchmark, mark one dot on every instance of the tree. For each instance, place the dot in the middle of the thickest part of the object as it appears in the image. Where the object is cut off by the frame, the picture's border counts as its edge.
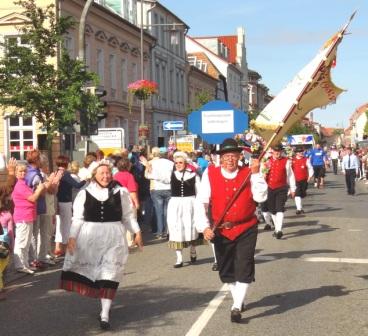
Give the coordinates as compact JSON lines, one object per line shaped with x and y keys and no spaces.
{"x":365,"y":131}
{"x":300,"y":128}
{"x":201,"y":97}
{"x":31,"y":85}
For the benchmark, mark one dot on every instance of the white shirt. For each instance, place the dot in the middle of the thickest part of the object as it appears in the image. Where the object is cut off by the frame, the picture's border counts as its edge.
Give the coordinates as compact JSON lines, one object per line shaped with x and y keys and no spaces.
{"x":161,"y":170}
{"x":353,"y":163}
{"x":258,"y":187}
{"x":2,"y":162}
{"x":334,"y":154}
{"x":102,"y":194}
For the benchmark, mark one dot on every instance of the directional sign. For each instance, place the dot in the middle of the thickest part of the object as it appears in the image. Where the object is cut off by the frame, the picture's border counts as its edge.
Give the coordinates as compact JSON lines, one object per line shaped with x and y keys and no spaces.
{"x":216,"y":121}
{"x":173,"y":125}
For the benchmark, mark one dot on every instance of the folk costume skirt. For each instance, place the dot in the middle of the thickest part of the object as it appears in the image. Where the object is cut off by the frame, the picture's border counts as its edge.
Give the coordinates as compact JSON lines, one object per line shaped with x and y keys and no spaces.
{"x":96,"y":266}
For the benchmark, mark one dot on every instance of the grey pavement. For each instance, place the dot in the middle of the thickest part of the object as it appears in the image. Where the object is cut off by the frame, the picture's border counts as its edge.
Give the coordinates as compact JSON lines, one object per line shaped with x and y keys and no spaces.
{"x":314,"y":281}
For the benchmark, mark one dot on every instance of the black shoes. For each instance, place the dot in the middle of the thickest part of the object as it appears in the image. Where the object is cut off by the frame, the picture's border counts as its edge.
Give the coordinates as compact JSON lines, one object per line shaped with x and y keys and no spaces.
{"x":278,"y":234}
{"x":242,"y":308}
{"x":267,"y":227}
{"x":299,"y":212}
{"x":214,"y":267}
{"x":178,"y":265}
{"x":235,"y":315}
{"x":104,"y":325}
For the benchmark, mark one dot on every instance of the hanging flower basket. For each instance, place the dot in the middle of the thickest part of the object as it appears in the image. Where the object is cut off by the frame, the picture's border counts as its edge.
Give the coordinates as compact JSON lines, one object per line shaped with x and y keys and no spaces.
{"x":141,"y":89}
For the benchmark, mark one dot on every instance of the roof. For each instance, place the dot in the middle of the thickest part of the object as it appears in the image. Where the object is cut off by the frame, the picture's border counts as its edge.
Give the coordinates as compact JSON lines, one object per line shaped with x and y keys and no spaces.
{"x":211,"y":68}
{"x":230,"y":42}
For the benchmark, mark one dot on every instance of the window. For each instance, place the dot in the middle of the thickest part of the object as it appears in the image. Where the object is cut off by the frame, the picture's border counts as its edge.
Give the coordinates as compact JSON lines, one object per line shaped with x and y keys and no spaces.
{"x":124,"y":78}
{"x":21,"y":136}
{"x":69,"y":45}
{"x":100,"y":65}
{"x":134,"y":72}
{"x":112,"y":75}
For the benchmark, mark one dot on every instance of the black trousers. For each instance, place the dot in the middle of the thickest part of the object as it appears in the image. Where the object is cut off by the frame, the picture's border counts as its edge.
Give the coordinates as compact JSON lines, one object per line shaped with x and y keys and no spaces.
{"x":276,"y":199}
{"x":350,"y":175}
{"x":301,"y":188}
{"x":334,"y":166}
{"x":235,"y":258}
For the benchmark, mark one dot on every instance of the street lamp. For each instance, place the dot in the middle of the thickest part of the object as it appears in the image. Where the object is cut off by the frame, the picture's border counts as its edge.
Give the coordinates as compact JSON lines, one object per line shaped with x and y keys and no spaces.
{"x":173,"y":39}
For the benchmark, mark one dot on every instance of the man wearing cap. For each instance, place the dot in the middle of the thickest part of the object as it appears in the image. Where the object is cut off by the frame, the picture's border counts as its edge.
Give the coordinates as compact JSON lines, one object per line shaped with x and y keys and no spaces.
{"x":236,"y":234}
{"x":350,"y":168}
{"x":280,"y":178}
{"x":303,"y":172}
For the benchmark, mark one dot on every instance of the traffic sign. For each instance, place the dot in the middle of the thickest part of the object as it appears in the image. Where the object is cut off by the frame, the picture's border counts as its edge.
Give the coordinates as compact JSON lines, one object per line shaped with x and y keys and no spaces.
{"x":173,"y":125}
{"x":216,"y":121}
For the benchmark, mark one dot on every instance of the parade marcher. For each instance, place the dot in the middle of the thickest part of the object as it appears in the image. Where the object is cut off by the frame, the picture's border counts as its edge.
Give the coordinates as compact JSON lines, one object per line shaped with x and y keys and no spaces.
{"x":180,"y":210}
{"x":235,"y":237}
{"x":97,"y":248}
{"x":303,"y":172}
{"x":334,"y":156}
{"x":318,"y":158}
{"x":350,"y":168}
{"x":280,"y":178}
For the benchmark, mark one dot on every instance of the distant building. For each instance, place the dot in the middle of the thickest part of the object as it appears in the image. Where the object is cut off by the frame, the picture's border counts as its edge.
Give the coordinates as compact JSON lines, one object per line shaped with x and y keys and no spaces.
{"x":357,"y":122}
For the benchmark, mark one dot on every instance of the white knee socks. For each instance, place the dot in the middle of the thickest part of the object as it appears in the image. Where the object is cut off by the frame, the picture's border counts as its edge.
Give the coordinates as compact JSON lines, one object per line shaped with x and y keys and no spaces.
{"x":279,"y":221}
{"x":238,"y":292}
{"x":105,"y":305}
{"x":298,"y":202}
{"x":267,"y":217}
{"x":213,"y":251}
{"x":179,"y":256}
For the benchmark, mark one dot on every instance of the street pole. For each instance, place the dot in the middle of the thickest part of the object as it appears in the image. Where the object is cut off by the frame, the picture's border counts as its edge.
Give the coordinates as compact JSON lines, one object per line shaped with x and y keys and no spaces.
{"x":142,"y":69}
{"x":81,"y":49}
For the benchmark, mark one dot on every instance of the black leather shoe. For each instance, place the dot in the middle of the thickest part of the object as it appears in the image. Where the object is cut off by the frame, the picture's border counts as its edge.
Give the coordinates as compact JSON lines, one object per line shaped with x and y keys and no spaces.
{"x":178,"y":265}
{"x":243,"y":308}
{"x":235,"y":315}
{"x":298,"y":212}
{"x":267,"y":227}
{"x":214,"y":267}
{"x":278,"y":234}
{"x":104,"y":325}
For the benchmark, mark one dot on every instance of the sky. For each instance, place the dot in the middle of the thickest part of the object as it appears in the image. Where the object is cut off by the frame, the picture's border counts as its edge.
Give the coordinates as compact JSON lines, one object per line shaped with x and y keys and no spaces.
{"x":282,"y":36}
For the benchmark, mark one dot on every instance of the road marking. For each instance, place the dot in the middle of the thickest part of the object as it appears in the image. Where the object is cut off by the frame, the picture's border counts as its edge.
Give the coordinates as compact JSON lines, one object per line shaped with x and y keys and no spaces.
{"x":203,"y":319}
{"x":338,"y":260}
{"x":355,"y":230}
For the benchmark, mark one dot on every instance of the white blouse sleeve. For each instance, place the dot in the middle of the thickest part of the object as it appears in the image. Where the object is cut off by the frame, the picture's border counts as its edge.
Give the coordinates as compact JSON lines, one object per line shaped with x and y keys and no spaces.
{"x":259,"y":187}
{"x":128,"y":220}
{"x":78,"y":214}
{"x":202,"y":200}
{"x":290,"y":176}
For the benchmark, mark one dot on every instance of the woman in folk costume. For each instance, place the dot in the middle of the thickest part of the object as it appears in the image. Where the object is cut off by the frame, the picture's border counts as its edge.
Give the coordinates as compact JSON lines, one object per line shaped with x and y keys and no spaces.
{"x":97,"y":249}
{"x":180,"y":210}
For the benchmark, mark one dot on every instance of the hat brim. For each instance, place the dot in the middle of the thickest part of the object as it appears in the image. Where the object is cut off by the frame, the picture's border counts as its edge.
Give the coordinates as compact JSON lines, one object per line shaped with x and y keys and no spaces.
{"x":229,"y":150}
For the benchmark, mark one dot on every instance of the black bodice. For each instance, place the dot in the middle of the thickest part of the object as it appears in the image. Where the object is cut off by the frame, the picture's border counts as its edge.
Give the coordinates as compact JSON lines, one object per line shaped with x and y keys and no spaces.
{"x":106,"y":211}
{"x":181,"y":188}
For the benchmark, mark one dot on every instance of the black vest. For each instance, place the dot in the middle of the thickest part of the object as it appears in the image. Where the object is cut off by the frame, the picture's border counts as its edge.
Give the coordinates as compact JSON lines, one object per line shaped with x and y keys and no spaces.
{"x":107,"y":211}
{"x":181,"y":188}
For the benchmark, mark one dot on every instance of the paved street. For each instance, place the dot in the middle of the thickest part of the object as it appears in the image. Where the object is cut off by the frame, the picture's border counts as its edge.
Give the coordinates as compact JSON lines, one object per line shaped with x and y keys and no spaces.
{"x":312,"y":282}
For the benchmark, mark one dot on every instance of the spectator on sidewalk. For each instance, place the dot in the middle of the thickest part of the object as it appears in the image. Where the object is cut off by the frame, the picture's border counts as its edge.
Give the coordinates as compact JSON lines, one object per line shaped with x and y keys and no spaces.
{"x":25,"y":214}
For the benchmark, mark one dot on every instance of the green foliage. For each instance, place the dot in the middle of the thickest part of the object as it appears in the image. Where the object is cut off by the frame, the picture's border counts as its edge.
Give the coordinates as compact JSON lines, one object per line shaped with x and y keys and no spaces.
{"x":300,"y":128}
{"x":201,"y":97}
{"x":31,"y":85}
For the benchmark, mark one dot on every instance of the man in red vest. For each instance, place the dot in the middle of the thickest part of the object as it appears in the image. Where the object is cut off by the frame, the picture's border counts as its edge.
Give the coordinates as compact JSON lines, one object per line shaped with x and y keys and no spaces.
{"x":280,"y":178}
{"x":303,"y":172}
{"x":235,"y":236}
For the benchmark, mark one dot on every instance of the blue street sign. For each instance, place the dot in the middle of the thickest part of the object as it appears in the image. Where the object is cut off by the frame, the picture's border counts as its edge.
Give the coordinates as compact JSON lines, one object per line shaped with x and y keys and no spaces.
{"x":216,"y":121}
{"x":173,"y":125}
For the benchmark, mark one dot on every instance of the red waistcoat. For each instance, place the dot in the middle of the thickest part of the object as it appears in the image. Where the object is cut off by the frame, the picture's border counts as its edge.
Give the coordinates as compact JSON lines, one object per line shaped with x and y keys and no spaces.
{"x":300,"y":169}
{"x":276,"y":177}
{"x":242,"y":210}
